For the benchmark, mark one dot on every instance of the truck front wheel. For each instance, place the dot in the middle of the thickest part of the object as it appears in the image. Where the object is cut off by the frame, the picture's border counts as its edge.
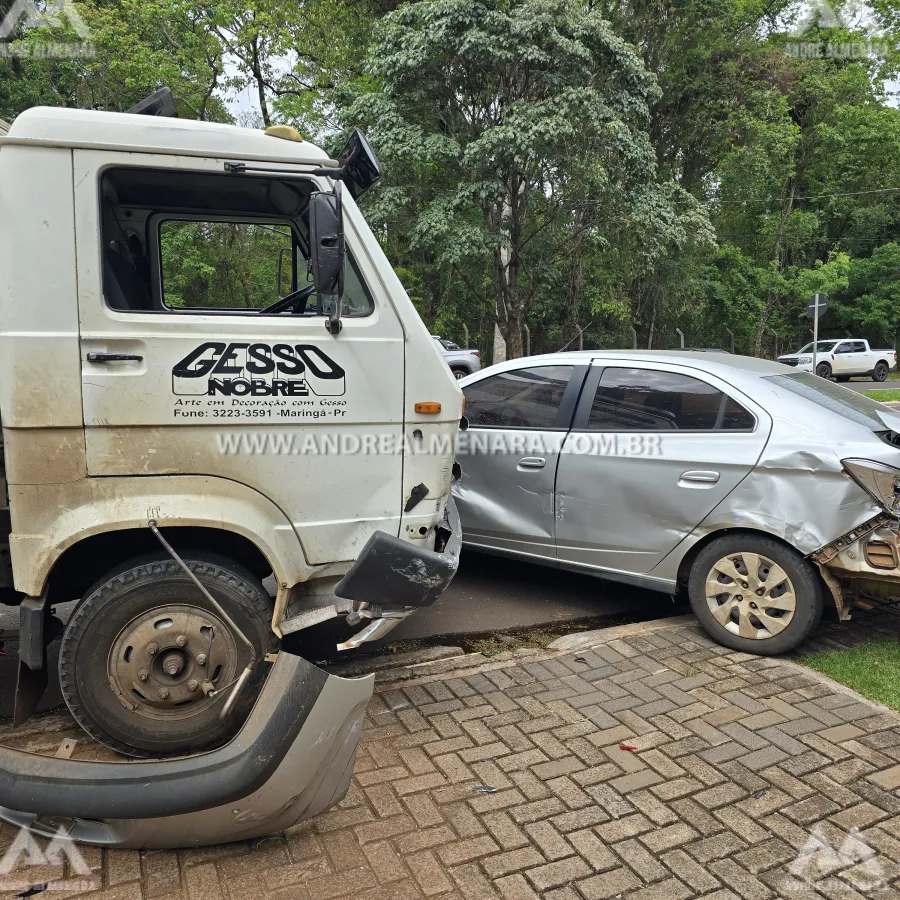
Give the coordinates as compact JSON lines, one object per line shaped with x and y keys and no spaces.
{"x":145,"y":651}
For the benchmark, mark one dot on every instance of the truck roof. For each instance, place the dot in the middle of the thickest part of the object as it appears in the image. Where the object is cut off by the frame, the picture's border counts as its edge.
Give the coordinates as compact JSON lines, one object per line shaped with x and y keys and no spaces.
{"x":95,"y":130}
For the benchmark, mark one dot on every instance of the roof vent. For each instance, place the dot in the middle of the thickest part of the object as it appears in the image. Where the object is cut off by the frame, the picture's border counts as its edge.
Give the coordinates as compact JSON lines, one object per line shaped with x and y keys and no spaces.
{"x":285,"y":132}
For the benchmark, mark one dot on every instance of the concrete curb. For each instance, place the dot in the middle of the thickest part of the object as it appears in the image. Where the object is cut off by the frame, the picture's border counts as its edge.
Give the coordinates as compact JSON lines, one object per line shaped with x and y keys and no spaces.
{"x":584,"y":640}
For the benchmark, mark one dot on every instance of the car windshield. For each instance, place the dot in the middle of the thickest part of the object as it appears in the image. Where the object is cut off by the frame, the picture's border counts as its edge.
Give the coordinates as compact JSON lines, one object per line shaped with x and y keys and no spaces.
{"x":832,"y":396}
{"x":821,"y":347}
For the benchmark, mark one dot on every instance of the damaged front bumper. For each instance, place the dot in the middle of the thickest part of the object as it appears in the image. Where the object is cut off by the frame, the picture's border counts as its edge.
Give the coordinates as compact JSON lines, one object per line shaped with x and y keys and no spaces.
{"x":291,"y":760}
{"x":390,"y":580}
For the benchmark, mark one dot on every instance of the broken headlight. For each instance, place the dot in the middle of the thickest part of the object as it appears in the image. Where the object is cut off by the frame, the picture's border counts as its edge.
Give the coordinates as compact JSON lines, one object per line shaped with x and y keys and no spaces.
{"x":878,"y":479}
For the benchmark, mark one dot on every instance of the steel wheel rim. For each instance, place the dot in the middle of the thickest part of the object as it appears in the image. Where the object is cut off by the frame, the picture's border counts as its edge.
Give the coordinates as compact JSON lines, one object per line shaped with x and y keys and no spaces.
{"x":750,"y":595}
{"x":176,"y":636}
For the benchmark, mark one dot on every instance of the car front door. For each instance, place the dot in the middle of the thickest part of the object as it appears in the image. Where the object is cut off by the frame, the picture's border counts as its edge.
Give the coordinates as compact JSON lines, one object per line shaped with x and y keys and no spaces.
{"x":653,"y":449}
{"x":518,"y":421}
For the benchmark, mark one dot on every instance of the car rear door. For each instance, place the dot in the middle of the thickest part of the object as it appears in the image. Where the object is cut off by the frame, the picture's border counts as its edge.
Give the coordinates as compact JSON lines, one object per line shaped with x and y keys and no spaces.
{"x":653,"y":449}
{"x":518,"y":419}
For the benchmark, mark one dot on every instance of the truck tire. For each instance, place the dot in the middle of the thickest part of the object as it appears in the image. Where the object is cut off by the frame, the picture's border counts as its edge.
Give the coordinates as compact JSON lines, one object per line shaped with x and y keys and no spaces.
{"x":458,"y":372}
{"x":823,"y":370}
{"x":880,"y":372}
{"x":143,"y":642}
{"x":755,"y":594}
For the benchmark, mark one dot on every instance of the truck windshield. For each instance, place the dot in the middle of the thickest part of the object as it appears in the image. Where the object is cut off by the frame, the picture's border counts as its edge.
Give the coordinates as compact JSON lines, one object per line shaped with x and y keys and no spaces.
{"x":832,"y":396}
{"x":821,"y":347}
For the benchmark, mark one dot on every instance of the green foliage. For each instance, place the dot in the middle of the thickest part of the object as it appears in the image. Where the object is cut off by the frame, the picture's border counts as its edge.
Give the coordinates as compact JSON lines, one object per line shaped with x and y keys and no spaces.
{"x":873,"y":670}
{"x":578,"y":168}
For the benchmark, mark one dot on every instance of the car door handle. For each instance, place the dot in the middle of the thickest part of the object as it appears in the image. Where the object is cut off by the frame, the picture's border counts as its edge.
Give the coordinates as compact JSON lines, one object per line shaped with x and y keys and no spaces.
{"x":699,"y":476}
{"x":532,"y":462}
{"x":113,"y":357}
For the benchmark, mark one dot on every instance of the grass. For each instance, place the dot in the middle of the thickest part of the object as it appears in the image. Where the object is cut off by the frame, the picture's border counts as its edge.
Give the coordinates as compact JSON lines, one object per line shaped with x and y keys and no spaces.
{"x":883,"y":396}
{"x":873,"y":670}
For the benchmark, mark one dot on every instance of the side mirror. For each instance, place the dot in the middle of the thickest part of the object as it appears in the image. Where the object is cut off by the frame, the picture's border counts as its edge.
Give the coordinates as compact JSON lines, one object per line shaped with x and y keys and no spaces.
{"x":326,"y":231}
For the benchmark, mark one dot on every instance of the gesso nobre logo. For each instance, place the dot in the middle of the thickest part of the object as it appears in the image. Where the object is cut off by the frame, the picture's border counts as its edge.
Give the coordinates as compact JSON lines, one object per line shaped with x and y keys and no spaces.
{"x":219,"y":369}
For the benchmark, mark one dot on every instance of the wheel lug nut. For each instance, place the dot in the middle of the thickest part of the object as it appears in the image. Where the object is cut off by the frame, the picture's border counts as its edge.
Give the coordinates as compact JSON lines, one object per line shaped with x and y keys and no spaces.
{"x":744,"y":584}
{"x":181,"y":640}
{"x":163,"y":693}
{"x":201,"y":659}
{"x":151,"y":649}
{"x":753,"y":606}
{"x":760,"y":592}
{"x":193,"y":685}
{"x":143,"y":674}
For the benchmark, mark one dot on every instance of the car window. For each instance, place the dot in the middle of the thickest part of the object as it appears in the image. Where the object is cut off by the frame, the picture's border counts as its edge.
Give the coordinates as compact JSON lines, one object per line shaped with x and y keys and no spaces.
{"x":821,"y":347}
{"x":522,"y":398}
{"x":832,"y":396}
{"x":656,"y":400}
{"x":858,"y":347}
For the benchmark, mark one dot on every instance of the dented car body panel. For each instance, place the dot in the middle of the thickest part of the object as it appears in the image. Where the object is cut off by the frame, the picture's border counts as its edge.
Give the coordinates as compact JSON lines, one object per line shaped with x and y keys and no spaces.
{"x":632,"y":505}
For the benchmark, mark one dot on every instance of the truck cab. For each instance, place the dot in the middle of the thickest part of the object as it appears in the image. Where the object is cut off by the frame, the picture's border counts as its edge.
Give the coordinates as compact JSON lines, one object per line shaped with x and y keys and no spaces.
{"x":223,"y":420}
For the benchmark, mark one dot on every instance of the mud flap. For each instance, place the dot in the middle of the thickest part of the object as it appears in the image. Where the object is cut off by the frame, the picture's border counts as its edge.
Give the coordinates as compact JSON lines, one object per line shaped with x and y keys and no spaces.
{"x":291,"y":760}
{"x":37,"y":628}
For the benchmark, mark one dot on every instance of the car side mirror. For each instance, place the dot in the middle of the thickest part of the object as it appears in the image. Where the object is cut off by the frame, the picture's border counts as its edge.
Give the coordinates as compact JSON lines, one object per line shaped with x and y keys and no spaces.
{"x":326,"y":230}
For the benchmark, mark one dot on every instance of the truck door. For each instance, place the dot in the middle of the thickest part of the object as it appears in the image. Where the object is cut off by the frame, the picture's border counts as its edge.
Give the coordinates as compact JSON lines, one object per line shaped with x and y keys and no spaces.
{"x":185,"y":370}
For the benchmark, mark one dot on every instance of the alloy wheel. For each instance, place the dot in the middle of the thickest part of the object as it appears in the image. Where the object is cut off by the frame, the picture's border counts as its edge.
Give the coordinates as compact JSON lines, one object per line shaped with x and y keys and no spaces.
{"x":750,"y":596}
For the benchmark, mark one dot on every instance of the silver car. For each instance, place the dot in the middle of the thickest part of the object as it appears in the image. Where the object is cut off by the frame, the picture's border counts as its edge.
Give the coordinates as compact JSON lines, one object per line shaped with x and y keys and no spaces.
{"x":765,"y":492}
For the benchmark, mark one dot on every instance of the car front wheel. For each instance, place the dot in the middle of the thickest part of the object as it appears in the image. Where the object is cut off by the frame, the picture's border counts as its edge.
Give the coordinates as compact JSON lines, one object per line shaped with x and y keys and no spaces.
{"x":823,"y":370}
{"x":459,"y":373}
{"x":754,"y":594}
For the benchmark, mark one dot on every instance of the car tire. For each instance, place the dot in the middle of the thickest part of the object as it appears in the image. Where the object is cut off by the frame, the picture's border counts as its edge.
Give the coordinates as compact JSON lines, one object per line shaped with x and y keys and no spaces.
{"x":130,"y":626}
{"x":458,"y":372}
{"x":880,"y":372}
{"x":733,"y":617}
{"x":823,"y":370}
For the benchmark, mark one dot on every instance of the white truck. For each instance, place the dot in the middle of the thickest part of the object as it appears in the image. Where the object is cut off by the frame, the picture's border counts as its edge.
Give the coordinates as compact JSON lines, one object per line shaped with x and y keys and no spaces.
{"x":843,"y":359}
{"x":223,"y":422}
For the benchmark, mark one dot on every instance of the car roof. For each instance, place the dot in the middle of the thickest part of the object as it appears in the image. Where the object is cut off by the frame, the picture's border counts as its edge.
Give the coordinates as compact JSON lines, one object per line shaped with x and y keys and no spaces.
{"x":95,"y":129}
{"x":709,"y":361}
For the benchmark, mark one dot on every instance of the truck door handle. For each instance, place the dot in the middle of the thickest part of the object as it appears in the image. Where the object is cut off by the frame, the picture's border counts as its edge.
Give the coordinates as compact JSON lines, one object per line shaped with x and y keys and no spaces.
{"x":532,"y":462}
{"x":699,"y":476}
{"x":113,"y":357}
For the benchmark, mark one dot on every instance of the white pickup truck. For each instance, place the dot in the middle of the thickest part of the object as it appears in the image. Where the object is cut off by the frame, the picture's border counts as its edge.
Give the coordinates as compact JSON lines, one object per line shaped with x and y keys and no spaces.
{"x":843,"y":359}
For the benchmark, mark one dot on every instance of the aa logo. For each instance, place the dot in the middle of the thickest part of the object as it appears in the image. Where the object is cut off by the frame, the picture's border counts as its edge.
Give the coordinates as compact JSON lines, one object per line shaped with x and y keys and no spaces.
{"x":819,"y":862}
{"x":33,"y":14}
{"x":25,"y":852}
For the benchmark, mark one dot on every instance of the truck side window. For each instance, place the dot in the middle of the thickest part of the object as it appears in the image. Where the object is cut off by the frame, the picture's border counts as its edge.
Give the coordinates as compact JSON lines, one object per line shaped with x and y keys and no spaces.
{"x":200,"y":242}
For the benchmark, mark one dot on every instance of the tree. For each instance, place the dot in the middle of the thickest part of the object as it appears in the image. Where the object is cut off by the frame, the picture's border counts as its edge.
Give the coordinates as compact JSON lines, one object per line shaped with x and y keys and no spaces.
{"x":510,"y":128}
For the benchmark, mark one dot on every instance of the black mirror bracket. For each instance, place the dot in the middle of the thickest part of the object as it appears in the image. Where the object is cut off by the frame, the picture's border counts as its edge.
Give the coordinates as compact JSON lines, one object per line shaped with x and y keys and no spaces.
{"x":334,"y":326}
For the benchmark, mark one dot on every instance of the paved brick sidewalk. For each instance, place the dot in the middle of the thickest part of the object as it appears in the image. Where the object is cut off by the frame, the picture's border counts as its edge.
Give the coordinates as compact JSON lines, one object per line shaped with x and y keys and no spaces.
{"x":752,"y":778}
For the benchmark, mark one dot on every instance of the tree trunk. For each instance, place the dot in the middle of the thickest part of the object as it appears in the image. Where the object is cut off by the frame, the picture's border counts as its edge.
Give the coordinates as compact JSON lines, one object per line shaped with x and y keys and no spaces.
{"x":499,"y":345}
{"x":787,"y":205}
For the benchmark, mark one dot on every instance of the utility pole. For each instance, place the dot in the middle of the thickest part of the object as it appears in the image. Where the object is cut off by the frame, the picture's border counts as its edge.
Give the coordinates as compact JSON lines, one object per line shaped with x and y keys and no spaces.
{"x":633,"y":337}
{"x":731,"y":335}
{"x":527,"y":339}
{"x":816,"y":308}
{"x":681,"y":335}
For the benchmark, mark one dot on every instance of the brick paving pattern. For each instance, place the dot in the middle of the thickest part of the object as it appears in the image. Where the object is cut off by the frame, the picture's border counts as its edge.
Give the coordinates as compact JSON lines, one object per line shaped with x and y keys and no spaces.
{"x":752,"y":778}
